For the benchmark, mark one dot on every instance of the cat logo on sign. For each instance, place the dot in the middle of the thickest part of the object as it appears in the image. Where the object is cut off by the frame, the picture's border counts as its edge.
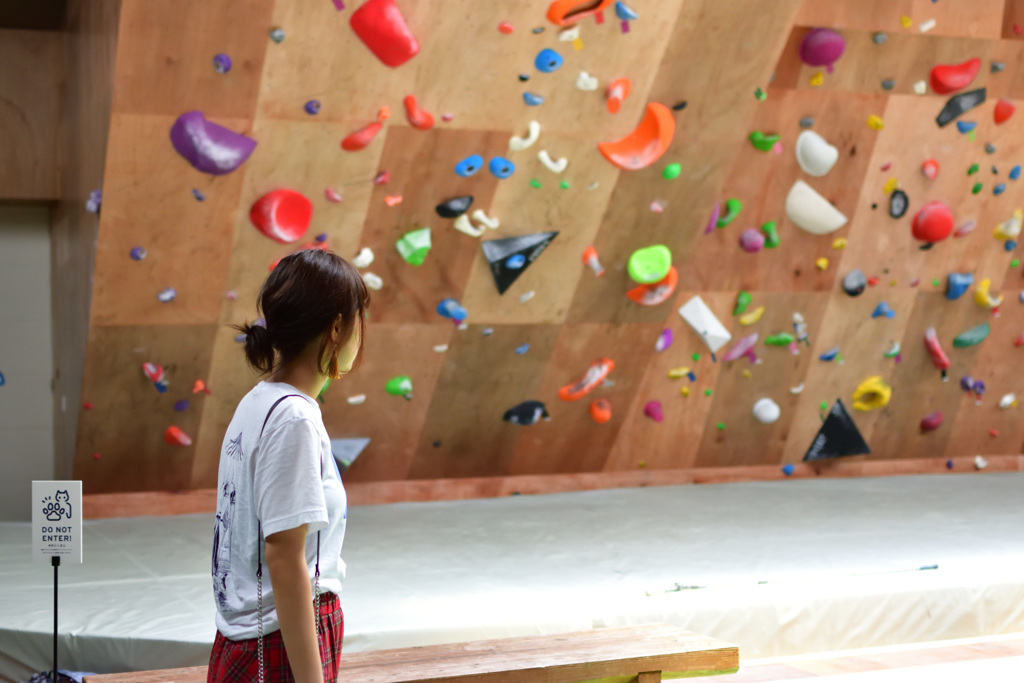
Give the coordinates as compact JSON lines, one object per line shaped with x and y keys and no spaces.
{"x":57,"y":520}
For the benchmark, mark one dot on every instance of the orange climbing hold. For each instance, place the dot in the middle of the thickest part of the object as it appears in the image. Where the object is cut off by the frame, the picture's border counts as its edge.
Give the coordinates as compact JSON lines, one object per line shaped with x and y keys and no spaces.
{"x":362,"y":137}
{"x":1004,"y":110}
{"x":618,"y":91}
{"x":948,"y":78}
{"x":418,"y":119}
{"x":601,"y":411}
{"x":656,"y":292}
{"x":175,"y":437}
{"x":595,"y":375}
{"x":566,"y":12}
{"x":930,"y":168}
{"x":646,"y":144}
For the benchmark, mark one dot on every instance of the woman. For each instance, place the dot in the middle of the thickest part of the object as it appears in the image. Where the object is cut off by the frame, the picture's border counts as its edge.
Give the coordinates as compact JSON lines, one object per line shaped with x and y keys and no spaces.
{"x":281,"y":505}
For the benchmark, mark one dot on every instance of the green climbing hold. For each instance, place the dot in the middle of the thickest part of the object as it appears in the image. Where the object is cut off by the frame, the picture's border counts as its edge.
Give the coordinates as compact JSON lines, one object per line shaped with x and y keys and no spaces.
{"x":534,"y":182}
{"x":743,"y":300}
{"x":977,"y":188}
{"x":650,"y":264}
{"x":823,"y":406}
{"x":973,"y":169}
{"x":936,"y":282}
{"x":564,"y":185}
{"x":695,"y":357}
{"x":780,"y":339}
{"x":732,"y":209}
{"x":327,"y":385}
{"x":1014,"y":263}
{"x":720,"y":426}
{"x":771,"y":235}
{"x":761,"y":95}
{"x":414,"y":246}
{"x":763,"y":142}
{"x":707,"y":392}
{"x":971,"y":337}
{"x":671,"y":171}
{"x":400,"y":386}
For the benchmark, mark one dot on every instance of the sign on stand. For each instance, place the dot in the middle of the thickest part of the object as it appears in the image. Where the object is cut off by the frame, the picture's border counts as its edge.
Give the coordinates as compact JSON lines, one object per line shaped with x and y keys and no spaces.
{"x":57,"y":520}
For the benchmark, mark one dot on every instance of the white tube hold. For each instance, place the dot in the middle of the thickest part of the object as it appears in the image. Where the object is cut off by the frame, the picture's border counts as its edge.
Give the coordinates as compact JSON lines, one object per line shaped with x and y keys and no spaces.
{"x":480,"y":217}
{"x":551,"y":164}
{"x":364,"y":258}
{"x":356,"y":400}
{"x":518,"y":144}
{"x":463,"y":225}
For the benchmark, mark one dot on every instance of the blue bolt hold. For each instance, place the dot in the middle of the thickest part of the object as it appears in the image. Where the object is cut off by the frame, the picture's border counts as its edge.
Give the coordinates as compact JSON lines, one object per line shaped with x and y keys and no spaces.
{"x":1015,"y":173}
{"x":547,"y":61}
{"x":1010,"y":245}
{"x":957,"y":284}
{"x":966,"y":126}
{"x":469,"y":165}
{"x":788,"y":469}
{"x":999,"y":189}
{"x":532,"y":99}
{"x":830,"y":354}
{"x":625,"y":13}
{"x":501,"y":167}
{"x":522,"y":349}
{"x":200,"y":197}
{"x":949,"y":464}
{"x":883,"y":309}
{"x":515,"y":262}
{"x":450,"y":308}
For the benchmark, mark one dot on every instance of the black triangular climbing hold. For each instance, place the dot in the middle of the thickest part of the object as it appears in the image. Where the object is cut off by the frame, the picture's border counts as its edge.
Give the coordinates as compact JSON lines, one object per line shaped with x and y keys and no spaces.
{"x":838,"y":437}
{"x":958,"y":105}
{"x":509,"y":257}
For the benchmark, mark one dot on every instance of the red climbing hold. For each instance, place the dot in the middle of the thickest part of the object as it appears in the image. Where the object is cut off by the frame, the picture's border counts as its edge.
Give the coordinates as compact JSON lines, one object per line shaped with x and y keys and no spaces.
{"x":380,"y":24}
{"x":931,"y":421}
{"x":282,"y":215}
{"x":934,"y":222}
{"x":176,"y":437}
{"x":930,"y":168}
{"x":506,"y":27}
{"x":947,"y":78}
{"x":362,"y":137}
{"x":418,"y":119}
{"x":1004,"y":110}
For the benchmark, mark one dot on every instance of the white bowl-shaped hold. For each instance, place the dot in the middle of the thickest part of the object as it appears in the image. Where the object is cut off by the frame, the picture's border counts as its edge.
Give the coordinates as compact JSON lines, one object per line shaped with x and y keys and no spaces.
{"x":815,"y":156}
{"x":766,"y":411}
{"x":811,"y":212}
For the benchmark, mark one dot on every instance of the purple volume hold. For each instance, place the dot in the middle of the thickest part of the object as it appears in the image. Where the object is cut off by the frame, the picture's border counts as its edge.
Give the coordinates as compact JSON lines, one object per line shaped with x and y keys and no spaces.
{"x":208,"y":147}
{"x":822,"y":47}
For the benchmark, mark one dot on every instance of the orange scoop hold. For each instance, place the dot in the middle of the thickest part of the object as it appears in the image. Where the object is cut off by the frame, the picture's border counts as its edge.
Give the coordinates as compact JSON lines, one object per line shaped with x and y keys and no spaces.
{"x":599,"y":369}
{"x":656,"y":292}
{"x":646,"y":144}
{"x":567,"y":12}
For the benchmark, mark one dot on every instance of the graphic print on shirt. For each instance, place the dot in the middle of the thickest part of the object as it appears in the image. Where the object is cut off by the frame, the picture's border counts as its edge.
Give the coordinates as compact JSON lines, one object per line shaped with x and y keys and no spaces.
{"x":222,"y":529}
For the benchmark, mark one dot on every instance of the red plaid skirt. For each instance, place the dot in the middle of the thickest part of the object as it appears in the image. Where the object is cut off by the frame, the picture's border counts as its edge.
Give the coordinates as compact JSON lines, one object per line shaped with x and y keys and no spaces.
{"x":238,"y":660}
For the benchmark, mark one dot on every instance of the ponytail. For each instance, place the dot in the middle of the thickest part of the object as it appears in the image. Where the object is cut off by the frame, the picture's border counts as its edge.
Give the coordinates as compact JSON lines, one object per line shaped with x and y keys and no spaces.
{"x":259,"y":350}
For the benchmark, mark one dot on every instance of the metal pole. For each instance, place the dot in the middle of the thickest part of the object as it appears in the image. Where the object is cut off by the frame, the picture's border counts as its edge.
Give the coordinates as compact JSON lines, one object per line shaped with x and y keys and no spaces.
{"x":55,"y":561}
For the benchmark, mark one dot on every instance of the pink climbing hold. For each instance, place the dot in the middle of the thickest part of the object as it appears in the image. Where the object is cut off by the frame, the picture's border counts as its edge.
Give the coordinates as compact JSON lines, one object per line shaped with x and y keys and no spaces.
{"x":653,"y":410}
{"x":933,"y":222}
{"x":948,"y":78}
{"x":381,"y":26}
{"x":751,"y":240}
{"x":282,"y":215}
{"x":822,"y":47}
{"x":931,"y":421}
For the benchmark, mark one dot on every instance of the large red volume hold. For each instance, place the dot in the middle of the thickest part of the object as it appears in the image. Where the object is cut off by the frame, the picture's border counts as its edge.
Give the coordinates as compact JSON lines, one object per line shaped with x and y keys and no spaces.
{"x":947,"y":78}
{"x":933,"y":222}
{"x":282,"y":215}
{"x":380,"y":24}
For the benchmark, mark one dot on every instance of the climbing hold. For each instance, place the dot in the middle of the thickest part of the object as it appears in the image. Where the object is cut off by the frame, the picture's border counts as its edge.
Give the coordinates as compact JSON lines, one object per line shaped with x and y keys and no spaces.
{"x":455,"y":207}
{"x":931,"y":421}
{"x":939,"y":358}
{"x":705,"y":324}
{"x":590,"y":259}
{"x":972,"y":336}
{"x":400,"y":385}
{"x":498,"y":251}
{"x":567,"y":12}
{"x":526,"y":413}
{"x":550,"y":164}
{"x":1015,"y":172}
{"x":743,"y":347}
{"x":282,"y":215}
{"x":533,"y":99}
{"x":806,"y":121}
{"x":671,"y":172}
{"x":959,"y":104}
{"x":137,"y":253}
{"x":779,"y":339}
{"x":981,"y":463}
{"x":814,"y":154}
{"x":453,"y":310}
{"x":332,"y":196}
{"x":469,"y":165}
{"x":831,"y":355}
{"x":751,"y":317}
{"x":571,"y":35}
{"x":515,"y":262}
{"x":656,"y":292}
{"x":586,"y":82}
{"x":175,"y":437}
{"x":888,"y":84}
{"x":947,"y":78}
{"x":811,"y":212}
{"x":600,"y":411}
{"x":277,"y":35}
{"x":506,"y":28}
{"x":653,"y":410}
{"x":872,"y":393}
{"x":977,"y":188}
{"x":382,"y":28}
{"x":875,"y":122}
{"x":664,"y":340}
{"x":788,"y":469}
{"x":771,"y":235}
{"x":1008,"y":401}
{"x":883,"y":309}
{"x":965,"y":229}
{"x":766,"y":411}
{"x":983,"y":297}
{"x":547,"y":60}
{"x":839,"y":243}
{"x":760,"y":95}
{"x":898,"y":203}
{"x":208,"y":147}
{"x":1003,"y":111}
{"x":646,"y":143}
{"x":480,"y":217}
{"x":966,"y":126}
{"x":743,"y":300}
{"x":879,"y":38}
{"x":517,"y":144}
{"x":155,"y":374}
{"x":933,"y":222}
{"x":751,"y":241}
{"x":414,"y":246}
{"x":732,"y":210}
{"x":957,"y":284}
{"x":1010,"y":228}
{"x":763,"y":142}
{"x":463,"y":225}
{"x":312,"y":107}
{"x":364,"y":258}
{"x":418,"y":119}
{"x":650,"y":264}
{"x":997,"y":67}
{"x":221,"y":63}
{"x":930,"y":168}
{"x":501,"y":168}
{"x":596,"y":374}
{"x":365,"y":135}
{"x":893,"y":351}
{"x":822,"y":47}
{"x":618,"y":91}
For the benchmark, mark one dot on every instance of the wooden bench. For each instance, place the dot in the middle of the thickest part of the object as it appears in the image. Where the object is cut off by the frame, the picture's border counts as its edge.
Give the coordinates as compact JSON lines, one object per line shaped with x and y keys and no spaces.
{"x":645,"y":654}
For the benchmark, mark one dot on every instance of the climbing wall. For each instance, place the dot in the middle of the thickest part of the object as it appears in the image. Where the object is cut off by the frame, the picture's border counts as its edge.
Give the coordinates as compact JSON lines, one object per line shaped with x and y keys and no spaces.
{"x":702,"y":156}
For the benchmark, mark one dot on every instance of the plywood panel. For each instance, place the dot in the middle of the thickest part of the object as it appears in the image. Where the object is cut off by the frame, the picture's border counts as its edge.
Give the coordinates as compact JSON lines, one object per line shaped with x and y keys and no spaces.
{"x":978,"y":19}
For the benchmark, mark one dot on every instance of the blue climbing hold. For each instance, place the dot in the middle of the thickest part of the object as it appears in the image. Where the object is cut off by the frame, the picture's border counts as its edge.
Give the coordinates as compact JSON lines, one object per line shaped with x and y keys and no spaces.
{"x":966,"y":126}
{"x":450,"y":308}
{"x":515,"y":262}
{"x":469,"y":165}
{"x":532,"y":99}
{"x":312,"y":107}
{"x":883,"y":309}
{"x":502,"y":167}
{"x":1015,"y":173}
{"x":957,"y":284}
{"x":949,"y":464}
{"x":625,"y":13}
{"x":830,"y":355}
{"x":788,"y":469}
{"x":1010,"y":245}
{"x":181,"y":405}
{"x":3,"y":380}
{"x":999,"y":189}
{"x":547,"y":61}
{"x":200,"y":197}
{"x":522,"y":349}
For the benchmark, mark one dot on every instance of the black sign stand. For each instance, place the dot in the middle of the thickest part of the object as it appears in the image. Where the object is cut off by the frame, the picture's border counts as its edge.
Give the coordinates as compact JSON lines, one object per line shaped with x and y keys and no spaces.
{"x":55,"y":561}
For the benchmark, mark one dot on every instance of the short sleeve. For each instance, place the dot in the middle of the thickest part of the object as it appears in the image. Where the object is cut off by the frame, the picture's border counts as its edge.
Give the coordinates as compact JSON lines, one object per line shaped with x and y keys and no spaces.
{"x":287,"y":483}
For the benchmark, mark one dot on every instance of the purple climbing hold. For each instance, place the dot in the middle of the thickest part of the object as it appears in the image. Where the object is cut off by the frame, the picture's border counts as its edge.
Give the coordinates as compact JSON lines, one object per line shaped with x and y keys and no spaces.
{"x":221,"y":63}
{"x":312,"y":107}
{"x":210,"y":148}
{"x":664,"y":340}
{"x":751,"y":240}
{"x":822,"y":47}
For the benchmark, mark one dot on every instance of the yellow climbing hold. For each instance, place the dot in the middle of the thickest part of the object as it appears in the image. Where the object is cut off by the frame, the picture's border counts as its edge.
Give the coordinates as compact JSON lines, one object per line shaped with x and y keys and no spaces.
{"x":839,"y":243}
{"x":875,"y":122}
{"x":752,"y":317}
{"x":817,"y":79}
{"x":890,"y":185}
{"x":892,"y":282}
{"x":746,"y":373}
{"x":822,"y":263}
{"x":642,"y":464}
{"x":906,"y":21}
{"x":874,"y":392}
{"x":685,"y":391}
{"x":983,"y":297}
{"x":678,"y":373}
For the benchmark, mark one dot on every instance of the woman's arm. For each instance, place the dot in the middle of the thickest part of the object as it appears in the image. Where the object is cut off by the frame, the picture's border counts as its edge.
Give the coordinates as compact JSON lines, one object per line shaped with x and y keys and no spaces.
{"x":289,"y":576}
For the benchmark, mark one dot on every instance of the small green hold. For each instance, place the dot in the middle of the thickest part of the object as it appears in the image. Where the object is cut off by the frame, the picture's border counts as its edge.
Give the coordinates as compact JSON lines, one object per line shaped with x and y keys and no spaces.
{"x":400,"y":386}
{"x":1014,"y":263}
{"x":935,"y":282}
{"x":971,"y":337}
{"x":721,"y":426}
{"x":672,"y":171}
{"x":977,"y":188}
{"x":743,"y":300}
{"x":695,"y":357}
{"x":534,"y":182}
{"x":823,"y":406}
{"x":763,"y":142}
{"x":780,"y":339}
{"x":973,"y":169}
{"x":564,"y":185}
{"x":972,"y":136}
{"x":327,"y":385}
{"x":771,"y":235}
{"x":707,"y":392}
{"x":732,"y":209}
{"x":761,"y":95}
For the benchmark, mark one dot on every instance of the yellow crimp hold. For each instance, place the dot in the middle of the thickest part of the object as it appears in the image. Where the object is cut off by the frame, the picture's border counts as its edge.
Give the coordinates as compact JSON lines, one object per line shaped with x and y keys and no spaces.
{"x":746,"y":373}
{"x":906,"y":21}
{"x":983,"y":297}
{"x":839,"y":243}
{"x":874,"y":392}
{"x":892,"y":282}
{"x":678,"y":373}
{"x":685,"y":391}
{"x":822,"y":263}
{"x":890,"y":185}
{"x":1009,"y":229}
{"x":875,"y":122}
{"x":817,"y":79}
{"x":752,"y":317}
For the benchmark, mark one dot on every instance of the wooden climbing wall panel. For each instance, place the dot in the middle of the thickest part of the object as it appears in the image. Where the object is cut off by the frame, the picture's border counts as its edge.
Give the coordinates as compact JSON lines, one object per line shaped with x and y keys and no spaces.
{"x":704,"y":59}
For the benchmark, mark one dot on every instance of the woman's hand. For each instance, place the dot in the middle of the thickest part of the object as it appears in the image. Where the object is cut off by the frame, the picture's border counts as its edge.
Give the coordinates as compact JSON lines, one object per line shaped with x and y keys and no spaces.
{"x":289,"y":576}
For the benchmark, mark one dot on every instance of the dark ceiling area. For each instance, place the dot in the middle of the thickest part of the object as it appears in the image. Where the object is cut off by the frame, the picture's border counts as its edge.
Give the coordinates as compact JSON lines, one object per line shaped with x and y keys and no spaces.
{"x":33,"y":15}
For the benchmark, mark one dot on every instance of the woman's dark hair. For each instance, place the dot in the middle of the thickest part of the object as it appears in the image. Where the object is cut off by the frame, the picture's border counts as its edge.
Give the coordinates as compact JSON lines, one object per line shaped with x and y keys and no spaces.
{"x":302,"y":297}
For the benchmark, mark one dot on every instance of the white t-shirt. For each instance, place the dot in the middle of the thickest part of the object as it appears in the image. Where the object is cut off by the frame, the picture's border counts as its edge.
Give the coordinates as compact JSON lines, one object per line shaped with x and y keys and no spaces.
{"x":277,"y":480}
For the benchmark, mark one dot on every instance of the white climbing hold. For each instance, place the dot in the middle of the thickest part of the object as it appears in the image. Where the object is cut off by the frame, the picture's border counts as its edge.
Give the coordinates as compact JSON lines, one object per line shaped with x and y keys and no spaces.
{"x":920,"y":87}
{"x":812,"y":212}
{"x":569,"y":34}
{"x":373,"y":281}
{"x":980,"y":462}
{"x":463,"y":225}
{"x":356,"y":400}
{"x":551,"y":164}
{"x":526,"y":297}
{"x":364,"y":258}
{"x":480,"y":217}
{"x":441,"y":348}
{"x":1008,"y":401}
{"x":797,"y":389}
{"x":766,"y":411}
{"x":518,"y":144}
{"x":814,"y":154}
{"x":926,"y":26}
{"x":586,"y":82}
